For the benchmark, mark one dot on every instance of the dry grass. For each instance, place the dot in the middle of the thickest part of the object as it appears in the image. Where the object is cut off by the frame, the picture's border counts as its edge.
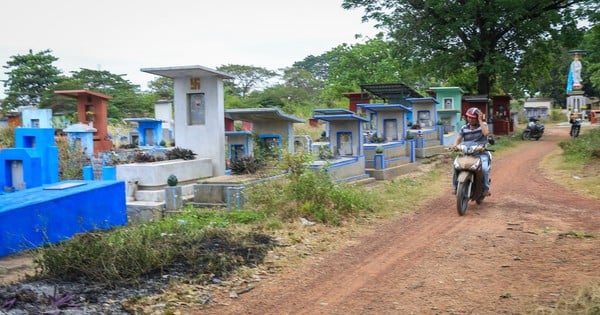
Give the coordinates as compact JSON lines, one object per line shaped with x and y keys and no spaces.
{"x":584,"y":179}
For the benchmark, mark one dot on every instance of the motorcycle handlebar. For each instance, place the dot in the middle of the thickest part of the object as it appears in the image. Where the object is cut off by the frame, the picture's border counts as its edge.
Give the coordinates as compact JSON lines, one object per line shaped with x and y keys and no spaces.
{"x":456,"y":148}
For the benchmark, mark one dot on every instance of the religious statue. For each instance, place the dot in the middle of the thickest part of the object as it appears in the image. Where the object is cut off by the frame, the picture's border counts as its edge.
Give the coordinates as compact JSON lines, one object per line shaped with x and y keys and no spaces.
{"x":574,"y":77}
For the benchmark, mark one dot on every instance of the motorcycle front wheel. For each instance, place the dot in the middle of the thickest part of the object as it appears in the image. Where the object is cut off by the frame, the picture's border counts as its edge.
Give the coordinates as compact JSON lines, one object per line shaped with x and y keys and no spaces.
{"x":462,"y":197}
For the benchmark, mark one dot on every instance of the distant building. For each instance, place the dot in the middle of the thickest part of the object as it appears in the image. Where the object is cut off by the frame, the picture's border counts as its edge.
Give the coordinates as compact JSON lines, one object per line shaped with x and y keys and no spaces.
{"x":538,"y":107}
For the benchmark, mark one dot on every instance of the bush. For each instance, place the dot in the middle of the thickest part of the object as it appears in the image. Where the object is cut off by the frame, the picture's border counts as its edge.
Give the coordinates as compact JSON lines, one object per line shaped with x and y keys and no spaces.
{"x":582,"y":148}
{"x":7,"y":137}
{"x":246,"y":165}
{"x":180,"y":153}
{"x":71,"y":159}
{"x":312,"y":195}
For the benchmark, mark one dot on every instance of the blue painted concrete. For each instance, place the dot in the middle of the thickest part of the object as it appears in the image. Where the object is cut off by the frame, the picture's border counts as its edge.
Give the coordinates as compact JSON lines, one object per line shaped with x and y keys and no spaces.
{"x":33,"y":217}
{"x":36,"y":150}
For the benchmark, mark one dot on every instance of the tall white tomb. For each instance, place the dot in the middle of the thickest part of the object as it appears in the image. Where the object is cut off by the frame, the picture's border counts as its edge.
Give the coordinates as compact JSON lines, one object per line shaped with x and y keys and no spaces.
{"x":199,"y":106}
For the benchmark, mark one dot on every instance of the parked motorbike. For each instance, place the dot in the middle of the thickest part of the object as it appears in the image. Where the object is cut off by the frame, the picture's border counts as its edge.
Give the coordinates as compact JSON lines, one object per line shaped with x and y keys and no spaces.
{"x":469,"y":175}
{"x":575,"y":127}
{"x":534,"y":130}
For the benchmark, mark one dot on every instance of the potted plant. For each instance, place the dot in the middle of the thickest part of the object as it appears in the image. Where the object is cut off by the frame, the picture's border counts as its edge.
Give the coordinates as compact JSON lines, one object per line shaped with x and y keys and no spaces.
{"x":89,"y":115}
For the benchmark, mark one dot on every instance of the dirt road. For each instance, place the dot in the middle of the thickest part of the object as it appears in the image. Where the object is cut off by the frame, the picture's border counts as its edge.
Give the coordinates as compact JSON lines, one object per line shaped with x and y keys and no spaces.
{"x":515,"y":252}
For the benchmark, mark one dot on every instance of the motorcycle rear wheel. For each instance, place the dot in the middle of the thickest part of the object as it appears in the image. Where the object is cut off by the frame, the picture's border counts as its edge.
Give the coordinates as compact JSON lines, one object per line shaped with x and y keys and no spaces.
{"x":462,"y":197}
{"x":574,"y":132}
{"x":526,"y":135}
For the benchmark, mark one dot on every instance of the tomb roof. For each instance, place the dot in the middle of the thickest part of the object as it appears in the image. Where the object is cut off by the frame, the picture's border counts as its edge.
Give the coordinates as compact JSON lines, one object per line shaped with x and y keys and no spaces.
{"x":194,"y":71}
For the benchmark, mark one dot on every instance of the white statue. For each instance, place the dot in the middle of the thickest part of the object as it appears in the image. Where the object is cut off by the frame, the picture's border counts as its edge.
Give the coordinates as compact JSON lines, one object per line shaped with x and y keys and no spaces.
{"x":574,"y":78}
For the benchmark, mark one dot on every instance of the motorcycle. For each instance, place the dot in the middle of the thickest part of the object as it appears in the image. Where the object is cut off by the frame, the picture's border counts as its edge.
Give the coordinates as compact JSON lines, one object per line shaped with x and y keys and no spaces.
{"x":469,"y":175}
{"x":534,"y":130}
{"x":575,"y":127}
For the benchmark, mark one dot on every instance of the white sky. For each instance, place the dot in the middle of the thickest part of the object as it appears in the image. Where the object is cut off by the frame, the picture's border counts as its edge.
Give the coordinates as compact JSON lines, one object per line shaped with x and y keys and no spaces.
{"x":123,"y":36}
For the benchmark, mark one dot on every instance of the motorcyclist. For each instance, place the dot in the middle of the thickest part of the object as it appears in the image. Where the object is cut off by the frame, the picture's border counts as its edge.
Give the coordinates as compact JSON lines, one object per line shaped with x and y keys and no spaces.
{"x":533,"y":123}
{"x":575,"y":122}
{"x":476,"y":132}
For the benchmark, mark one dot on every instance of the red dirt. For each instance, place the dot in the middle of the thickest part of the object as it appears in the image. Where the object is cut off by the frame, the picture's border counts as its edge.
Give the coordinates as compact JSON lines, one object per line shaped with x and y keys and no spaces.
{"x":510,"y":255}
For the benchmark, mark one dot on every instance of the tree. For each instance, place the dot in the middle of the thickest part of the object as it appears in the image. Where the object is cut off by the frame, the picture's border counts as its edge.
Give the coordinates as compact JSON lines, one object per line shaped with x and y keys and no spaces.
{"x":28,"y":77}
{"x":592,"y":58}
{"x":488,"y":35}
{"x":246,"y":77}
{"x":127,"y":100}
{"x":163,"y":87}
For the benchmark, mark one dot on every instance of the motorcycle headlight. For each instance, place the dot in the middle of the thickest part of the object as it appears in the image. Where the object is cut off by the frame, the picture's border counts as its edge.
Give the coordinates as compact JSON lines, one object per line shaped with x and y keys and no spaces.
{"x":475,"y":166}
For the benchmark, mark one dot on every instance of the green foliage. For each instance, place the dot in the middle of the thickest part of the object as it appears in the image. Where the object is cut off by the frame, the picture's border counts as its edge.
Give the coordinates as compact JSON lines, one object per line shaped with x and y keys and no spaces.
{"x":71,"y":159}
{"x":312,"y":195}
{"x":582,"y":148}
{"x":28,"y":77}
{"x":324,"y":152}
{"x":7,"y":137}
{"x":162,"y":87}
{"x":296,"y":163}
{"x":190,"y":243}
{"x":488,"y":35}
{"x":246,"y":78}
{"x":246,"y":165}
{"x":126,"y":101}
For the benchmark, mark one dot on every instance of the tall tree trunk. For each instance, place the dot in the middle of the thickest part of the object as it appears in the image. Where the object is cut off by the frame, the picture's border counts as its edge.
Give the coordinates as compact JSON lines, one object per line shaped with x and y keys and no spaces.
{"x":483,"y":83}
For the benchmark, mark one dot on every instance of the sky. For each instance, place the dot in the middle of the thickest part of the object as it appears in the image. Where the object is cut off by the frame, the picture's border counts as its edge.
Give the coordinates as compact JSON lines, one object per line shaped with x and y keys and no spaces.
{"x":124,"y":36}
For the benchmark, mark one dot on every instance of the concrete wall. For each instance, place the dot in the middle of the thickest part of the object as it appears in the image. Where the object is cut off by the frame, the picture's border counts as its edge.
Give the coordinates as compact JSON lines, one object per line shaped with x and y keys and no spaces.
{"x":346,"y":126}
{"x":206,"y":140}
{"x":400,"y":123}
{"x":42,"y":118}
{"x":282,"y":128}
{"x":154,"y":175}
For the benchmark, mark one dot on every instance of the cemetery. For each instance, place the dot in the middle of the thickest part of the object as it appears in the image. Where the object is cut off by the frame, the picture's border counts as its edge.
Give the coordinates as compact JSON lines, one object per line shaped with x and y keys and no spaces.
{"x":366,"y":141}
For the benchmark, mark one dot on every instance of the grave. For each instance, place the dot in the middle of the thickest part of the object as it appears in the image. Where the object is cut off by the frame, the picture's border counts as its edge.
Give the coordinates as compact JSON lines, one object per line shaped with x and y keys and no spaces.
{"x":429,"y":136}
{"x":389,"y":126}
{"x":345,"y":131}
{"x":92,"y":110}
{"x":448,"y":108}
{"x":36,"y":208}
{"x":271,"y":126}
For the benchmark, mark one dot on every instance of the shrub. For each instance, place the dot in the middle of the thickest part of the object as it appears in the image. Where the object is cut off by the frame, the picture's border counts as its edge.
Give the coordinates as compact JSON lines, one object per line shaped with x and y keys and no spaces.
{"x":246,"y":165}
{"x":143,"y":157}
{"x":582,"y":148}
{"x":180,"y":153}
{"x":71,"y":159}
{"x":7,"y":137}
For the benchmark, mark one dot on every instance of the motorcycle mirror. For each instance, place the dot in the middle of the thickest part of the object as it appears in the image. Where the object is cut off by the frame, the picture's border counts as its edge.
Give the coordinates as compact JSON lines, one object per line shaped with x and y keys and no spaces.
{"x":491,"y":140}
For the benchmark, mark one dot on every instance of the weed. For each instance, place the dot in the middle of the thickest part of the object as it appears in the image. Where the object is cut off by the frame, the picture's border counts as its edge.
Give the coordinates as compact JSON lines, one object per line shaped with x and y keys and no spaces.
{"x":7,"y":137}
{"x":72,"y":159}
{"x":582,"y":148}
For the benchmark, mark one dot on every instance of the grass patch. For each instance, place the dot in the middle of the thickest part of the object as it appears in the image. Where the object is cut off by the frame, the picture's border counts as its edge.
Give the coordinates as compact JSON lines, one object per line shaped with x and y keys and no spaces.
{"x":585,"y":302}
{"x":576,"y":164}
{"x":191,"y":244}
